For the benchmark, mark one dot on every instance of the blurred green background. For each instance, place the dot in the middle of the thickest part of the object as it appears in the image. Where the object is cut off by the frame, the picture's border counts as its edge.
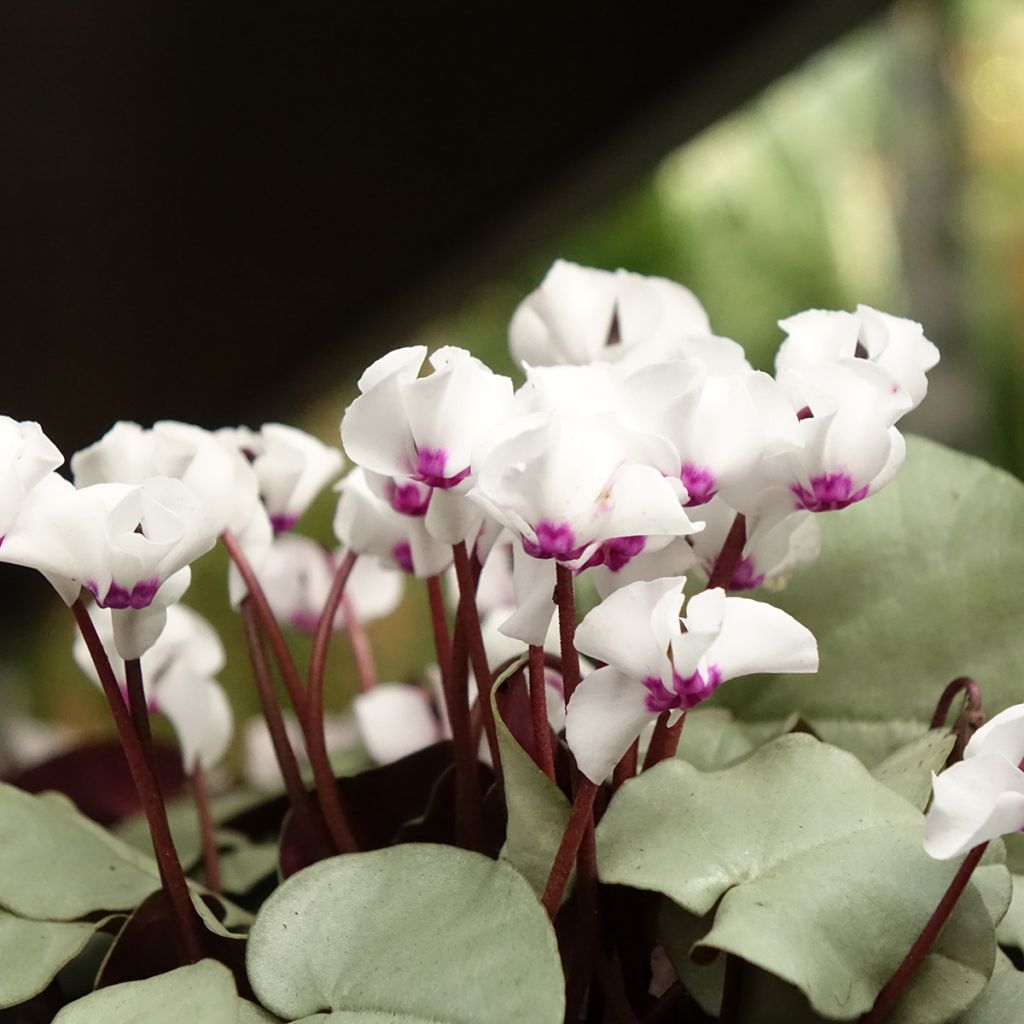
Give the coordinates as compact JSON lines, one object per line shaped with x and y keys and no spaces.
{"x":887,"y":170}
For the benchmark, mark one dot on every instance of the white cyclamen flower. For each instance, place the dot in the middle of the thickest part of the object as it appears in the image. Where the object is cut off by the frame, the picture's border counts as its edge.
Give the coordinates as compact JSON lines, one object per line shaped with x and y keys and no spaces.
{"x":27,"y":457}
{"x":129,"y":546}
{"x":298,"y":575}
{"x":578,"y":315}
{"x":981,"y":797}
{"x":656,"y":663}
{"x":178,"y":674}
{"x":397,"y":719}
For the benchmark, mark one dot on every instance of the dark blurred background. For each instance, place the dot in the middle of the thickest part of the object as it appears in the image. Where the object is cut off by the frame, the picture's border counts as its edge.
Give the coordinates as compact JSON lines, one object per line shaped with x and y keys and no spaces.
{"x":222,"y":212}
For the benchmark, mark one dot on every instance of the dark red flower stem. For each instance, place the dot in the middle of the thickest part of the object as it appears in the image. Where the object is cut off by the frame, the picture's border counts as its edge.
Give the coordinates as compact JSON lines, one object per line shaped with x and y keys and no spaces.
{"x":565,"y":598}
{"x":962,"y":684}
{"x":539,"y":712}
{"x":307,"y":819}
{"x":627,"y":766}
{"x":454,"y":668}
{"x":359,"y":642}
{"x":477,"y":652}
{"x":897,"y":984}
{"x":664,"y":741}
{"x":186,"y":919}
{"x":138,"y":706}
{"x":328,"y":796}
{"x":207,"y":837}
{"x":581,"y":817}
{"x":731,"y":554}
{"x":270,"y":627}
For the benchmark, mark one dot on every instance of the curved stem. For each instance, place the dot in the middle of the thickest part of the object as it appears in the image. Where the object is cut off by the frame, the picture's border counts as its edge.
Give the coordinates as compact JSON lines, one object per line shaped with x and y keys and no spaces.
{"x":729,"y":557}
{"x":896,"y":985}
{"x":175,"y":885}
{"x":477,"y":653}
{"x":580,"y":819}
{"x":322,"y":641}
{"x":208,"y":840}
{"x":359,"y":642}
{"x":539,"y":712}
{"x":962,"y":684}
{"x":305,"y":815}
{"x":285,"y":663}
{"x":453,"y":662}
{"x":139,"y":707}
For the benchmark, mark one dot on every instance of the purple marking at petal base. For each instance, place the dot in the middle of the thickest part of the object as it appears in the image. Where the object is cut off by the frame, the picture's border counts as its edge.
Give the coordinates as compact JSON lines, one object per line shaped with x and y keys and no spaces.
{"x":409,"y":498}
{"x":283,"y":523}
{"x":688,"y":691}
{"x":829,"y":492}
{"x":304,"y":622}
{"x":616,"y":553}
{"x":402,"y":554}
{"x":140,"y":596}
{"x":430,"y":469}
{"x":745,"y":576}
{"x":699,"y":482}
{"x":554,"y":540}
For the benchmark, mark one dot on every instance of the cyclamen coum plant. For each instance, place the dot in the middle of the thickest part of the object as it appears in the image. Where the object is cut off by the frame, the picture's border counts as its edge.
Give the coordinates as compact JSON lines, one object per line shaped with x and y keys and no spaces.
{"x":528,"y":833}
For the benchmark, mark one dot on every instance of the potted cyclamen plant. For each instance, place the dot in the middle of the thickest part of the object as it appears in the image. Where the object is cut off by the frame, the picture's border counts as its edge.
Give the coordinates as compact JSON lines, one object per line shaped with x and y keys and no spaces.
{"x":646,"y":533}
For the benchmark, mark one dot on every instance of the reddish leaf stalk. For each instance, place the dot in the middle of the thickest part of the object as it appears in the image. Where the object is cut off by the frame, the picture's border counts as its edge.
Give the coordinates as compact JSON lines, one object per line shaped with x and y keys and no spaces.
{"x":731,"y":554}
{"x":962,"y":684}
{"x":477,"y":652}
{"x":285,"y":663}
{"x":627,"y":766}
{"x":359,"y":642}
{"x":897,"y":984}
{"x":664,"y":741}
{"x":174,"y":883}
{"x":580,"y":819}
{"x":453,"y":661}
{"x":306,"y":818}
{"x":539,"y":712}
{"x":208,"y":840}
{"x":565,"y":598}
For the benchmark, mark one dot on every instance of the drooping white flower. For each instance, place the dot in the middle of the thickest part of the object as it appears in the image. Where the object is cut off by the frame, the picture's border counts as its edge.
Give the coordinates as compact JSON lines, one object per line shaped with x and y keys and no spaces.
{"x":418,"y":433}
{"x":129,"y":546}
{"x":579,"y":315}
{"x":291,"y":466}
{"x":818,"y":339}
{"x":981,"y":797}
{"x":397,"y":719}
{"x":27,"y":457}
{"x":260,"y":766}
{"x":297,"y":579}
{"x":367,"y":525}
{"x":655,"y":662}
{"x":178,"y":674}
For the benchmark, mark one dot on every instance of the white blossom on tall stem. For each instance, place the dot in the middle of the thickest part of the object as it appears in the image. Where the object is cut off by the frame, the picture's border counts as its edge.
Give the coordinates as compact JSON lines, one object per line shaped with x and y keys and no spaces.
{"x":397,"y":719}
{"x":297,"y":579}
{"x":656,"y":662}
{"x":418,"y":433}
{"x":365,"y":524}
{"x":27,"y":457}
{"x":580,"y":315}
{"x":981,"y":797}
{"x":179,"y":678}
{"x":129,"y":546}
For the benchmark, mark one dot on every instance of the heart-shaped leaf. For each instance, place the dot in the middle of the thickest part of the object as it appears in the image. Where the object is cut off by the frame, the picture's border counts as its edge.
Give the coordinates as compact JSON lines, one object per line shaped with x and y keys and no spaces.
{"x":416,"y":933}
{"x":57,"y":865}
{"x":803,"y":855}
{"x":201,"y":992}
{"x":908,"y":771}
{"x":916,"y":585}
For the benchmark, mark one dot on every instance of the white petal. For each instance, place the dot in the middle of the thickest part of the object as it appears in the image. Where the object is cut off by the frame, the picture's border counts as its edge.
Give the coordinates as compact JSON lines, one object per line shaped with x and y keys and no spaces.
{"x":606,"y":713}
{"x":644,"y":504}
{"x":534,"y":585}
{"x":975,"y":800}
{"x":396,"y":719}
{"x":200,"y":712}
{"x":125,"y":454}
{"x":1003,"y":734}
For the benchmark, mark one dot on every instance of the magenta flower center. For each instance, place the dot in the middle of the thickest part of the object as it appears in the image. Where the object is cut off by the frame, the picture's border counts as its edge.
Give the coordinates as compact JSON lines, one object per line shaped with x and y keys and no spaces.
{"x":686,"y":692}
{"x":410,"y":498}
{"x":554,"y":540}
{"x":616,"y":553}
{"x":745,"y":576}
{"x":402,"y":554}
{"x":431,"y":466}
{"x":283,"y":522}
{"x":140,"y":596}
{"x":828,"y":492}
{"x":699,"y":482}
